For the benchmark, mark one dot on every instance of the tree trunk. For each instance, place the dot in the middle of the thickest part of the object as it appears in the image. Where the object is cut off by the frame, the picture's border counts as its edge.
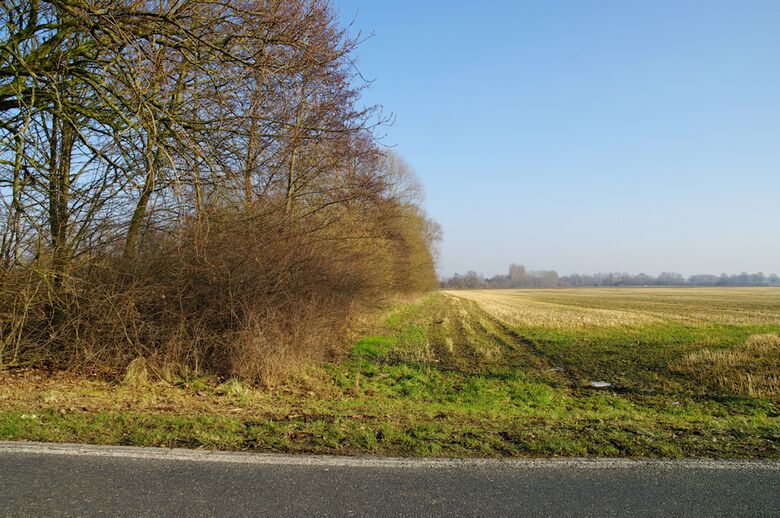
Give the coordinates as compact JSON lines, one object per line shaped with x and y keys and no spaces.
{"x":137,"y":219}
{"x":59,"y":196}
{"x":134,"y":229}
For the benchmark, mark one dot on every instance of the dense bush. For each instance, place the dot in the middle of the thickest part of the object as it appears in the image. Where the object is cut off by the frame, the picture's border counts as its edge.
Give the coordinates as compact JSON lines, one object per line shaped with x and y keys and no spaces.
{"x":193,"y":186}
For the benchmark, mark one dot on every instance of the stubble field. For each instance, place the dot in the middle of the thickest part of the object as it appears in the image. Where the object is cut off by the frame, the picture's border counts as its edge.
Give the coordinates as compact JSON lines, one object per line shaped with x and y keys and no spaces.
{"x":711,"y":342}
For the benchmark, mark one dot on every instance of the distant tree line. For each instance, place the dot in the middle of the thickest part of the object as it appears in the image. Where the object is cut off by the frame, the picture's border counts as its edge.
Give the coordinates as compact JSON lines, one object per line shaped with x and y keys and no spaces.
{"x":519,"y":277}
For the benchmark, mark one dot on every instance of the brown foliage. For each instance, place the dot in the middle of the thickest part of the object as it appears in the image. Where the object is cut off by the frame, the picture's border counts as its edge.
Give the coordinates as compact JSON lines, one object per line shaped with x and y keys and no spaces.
{"x":247,"y":295}
{"x":192,"y":186}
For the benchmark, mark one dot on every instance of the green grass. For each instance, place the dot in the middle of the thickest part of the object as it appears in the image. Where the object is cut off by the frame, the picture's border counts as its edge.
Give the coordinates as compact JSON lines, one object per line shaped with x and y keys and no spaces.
{"x":442,"y":377}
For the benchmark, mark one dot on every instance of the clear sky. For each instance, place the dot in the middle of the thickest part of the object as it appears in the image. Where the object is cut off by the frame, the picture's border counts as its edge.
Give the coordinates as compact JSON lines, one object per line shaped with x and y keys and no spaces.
{"x":586,"y":136}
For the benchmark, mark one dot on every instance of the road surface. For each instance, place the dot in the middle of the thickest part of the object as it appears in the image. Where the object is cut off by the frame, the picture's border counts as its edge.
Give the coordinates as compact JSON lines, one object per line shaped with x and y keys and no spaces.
{"x":73,"y":480}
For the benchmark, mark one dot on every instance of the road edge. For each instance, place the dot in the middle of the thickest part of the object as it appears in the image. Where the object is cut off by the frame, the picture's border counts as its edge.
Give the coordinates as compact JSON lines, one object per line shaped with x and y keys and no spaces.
{"x":335,"y":461}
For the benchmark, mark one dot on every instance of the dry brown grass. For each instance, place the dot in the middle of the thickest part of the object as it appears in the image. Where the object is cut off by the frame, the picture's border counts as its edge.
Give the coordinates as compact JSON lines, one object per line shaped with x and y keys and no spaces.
{"x":516,"y":308}
{"x":752,"y":369}
{"x":611,"y":307}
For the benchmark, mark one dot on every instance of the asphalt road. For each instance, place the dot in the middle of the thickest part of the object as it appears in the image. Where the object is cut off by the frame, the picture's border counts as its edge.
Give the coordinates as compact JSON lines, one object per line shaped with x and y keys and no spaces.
{"x":68,"y":480}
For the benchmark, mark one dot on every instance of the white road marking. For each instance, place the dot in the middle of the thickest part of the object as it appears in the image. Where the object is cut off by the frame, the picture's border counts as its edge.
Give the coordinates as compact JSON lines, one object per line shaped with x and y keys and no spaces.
{"x":329,"y":461}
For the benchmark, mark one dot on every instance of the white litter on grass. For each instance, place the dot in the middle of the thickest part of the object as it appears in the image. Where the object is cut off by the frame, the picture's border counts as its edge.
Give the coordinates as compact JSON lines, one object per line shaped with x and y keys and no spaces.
{"x":600,"y":384}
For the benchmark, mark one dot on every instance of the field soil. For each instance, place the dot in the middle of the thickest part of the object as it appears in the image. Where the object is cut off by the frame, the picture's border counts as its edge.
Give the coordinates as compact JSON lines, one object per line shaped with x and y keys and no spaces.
{"x":677,"y":372}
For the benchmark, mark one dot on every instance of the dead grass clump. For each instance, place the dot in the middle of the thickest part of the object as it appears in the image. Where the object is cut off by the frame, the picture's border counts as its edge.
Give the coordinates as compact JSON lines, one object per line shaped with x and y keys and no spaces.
{"x":751,"y":369}
{"x":234,"y":388}
{"x":137,"y":373}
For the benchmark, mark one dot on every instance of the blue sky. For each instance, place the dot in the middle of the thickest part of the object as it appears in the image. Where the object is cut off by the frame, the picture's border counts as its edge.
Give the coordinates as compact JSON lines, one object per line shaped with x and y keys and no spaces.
{"x":586,"y":136}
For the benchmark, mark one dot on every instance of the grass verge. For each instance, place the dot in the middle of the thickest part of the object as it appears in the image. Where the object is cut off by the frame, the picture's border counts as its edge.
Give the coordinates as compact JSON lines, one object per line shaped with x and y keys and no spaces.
{"x":439,"y":377}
